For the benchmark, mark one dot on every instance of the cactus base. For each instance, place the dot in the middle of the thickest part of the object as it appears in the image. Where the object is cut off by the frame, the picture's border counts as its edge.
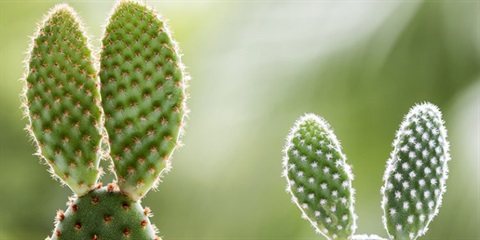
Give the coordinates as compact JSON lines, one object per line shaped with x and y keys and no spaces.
{"x":104,"y":213}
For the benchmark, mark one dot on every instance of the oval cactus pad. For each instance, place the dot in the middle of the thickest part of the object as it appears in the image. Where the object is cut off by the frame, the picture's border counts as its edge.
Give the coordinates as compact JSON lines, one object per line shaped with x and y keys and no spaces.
{"x":143,"y":93}
{"x":319,"y":178}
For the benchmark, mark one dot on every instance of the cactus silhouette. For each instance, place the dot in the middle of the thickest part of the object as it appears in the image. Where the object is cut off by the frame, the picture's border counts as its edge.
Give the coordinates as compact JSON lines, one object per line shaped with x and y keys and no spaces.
{"x":319,"y":178}
{"x":130,"y":111}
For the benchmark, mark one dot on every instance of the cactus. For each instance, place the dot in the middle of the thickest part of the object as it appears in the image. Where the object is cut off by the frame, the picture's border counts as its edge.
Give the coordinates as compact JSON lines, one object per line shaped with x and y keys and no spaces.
{"x":130,"y":112}
{"x":143,"y":94}
{"x":104,"y":213}
{"x":63,"y":102}
{"x":416,"y":173}
{"x":319,"y":178}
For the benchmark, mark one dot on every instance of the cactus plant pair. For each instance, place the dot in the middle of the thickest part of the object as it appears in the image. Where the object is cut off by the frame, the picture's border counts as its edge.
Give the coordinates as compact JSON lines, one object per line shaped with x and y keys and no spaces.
{"x":320,"y":180}
{"x":126,"y":106}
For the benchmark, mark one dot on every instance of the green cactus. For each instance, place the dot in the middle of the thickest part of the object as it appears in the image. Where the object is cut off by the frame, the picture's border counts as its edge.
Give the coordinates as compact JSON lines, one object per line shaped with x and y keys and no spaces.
{"x":143,"y":94}
{"x":132,"y":116}
{"x":319,"y":178}
{"x":416,"y":173}
{"x":104,"y":213}
{"x":62,"y":100}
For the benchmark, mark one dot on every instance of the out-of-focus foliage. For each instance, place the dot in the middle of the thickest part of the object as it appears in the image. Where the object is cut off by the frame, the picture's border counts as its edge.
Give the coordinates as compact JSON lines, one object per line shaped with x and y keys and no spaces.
{"x":256,"y":67}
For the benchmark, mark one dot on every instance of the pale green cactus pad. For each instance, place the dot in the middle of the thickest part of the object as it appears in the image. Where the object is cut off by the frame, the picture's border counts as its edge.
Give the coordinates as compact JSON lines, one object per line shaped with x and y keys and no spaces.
{"x":143,"y":92}
{"x":62,"y":100}
{"x":416,"y":173}
{"x":319,"y":178}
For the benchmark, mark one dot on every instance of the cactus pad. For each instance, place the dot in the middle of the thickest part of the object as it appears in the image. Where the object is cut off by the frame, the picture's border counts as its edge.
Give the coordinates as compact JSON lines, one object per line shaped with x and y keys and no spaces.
{"x":104,"y":214}
{"x":319,"y":178}
{"x":416,"y":173}
{"x":62,"y":100}
{"x":143,"y":92}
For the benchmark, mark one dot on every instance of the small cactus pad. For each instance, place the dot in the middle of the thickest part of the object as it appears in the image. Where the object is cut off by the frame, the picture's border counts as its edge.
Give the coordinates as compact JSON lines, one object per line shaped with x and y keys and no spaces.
{"x":62,"y":100}
{"x":319,"y":178}
{"x":104,"y":214}
{"x":143,"y":92}
{"x":416,"y":173}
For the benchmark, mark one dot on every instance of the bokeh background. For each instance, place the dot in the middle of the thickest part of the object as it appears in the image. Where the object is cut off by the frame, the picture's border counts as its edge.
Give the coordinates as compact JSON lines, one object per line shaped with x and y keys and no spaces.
{"x":256,"y":67}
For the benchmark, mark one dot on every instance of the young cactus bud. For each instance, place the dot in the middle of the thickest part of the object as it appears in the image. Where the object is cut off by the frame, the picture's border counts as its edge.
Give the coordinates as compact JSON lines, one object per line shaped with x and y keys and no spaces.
{"x":143,"y":92}
{"x":416,"y":173}
{"x":62,"y":100}
{"x":319,"y":178}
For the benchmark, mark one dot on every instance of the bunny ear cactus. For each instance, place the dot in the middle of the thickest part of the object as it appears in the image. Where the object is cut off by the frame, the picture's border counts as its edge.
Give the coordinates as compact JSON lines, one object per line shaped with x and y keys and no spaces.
{"x":143,"y":92}
{"x":319,"y":178}
{"x":62,"y":100}
{"x":133,"y":115}
{"x":416,"y":173}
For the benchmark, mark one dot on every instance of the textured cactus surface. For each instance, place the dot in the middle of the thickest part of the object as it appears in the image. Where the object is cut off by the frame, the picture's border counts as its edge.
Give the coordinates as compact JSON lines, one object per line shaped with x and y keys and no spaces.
{"x":104,"y":213}
{"x":143,"y":92}
{"x":416,"y":173}
{"x":319,"y":178}
{"x":131,"y":113}
{"x":62,"y":100}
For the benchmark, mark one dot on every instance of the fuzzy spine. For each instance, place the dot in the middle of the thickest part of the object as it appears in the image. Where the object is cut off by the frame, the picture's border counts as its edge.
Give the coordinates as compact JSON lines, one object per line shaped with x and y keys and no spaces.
{"x":416,"y":173}
{"x":318,"y":177}
{"x":61,"y":100}
{"x":144,"y":95}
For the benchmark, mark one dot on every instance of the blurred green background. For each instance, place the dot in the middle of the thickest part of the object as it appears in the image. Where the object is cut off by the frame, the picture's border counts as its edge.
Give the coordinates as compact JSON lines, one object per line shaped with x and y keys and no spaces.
{"x":256,"y":67}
